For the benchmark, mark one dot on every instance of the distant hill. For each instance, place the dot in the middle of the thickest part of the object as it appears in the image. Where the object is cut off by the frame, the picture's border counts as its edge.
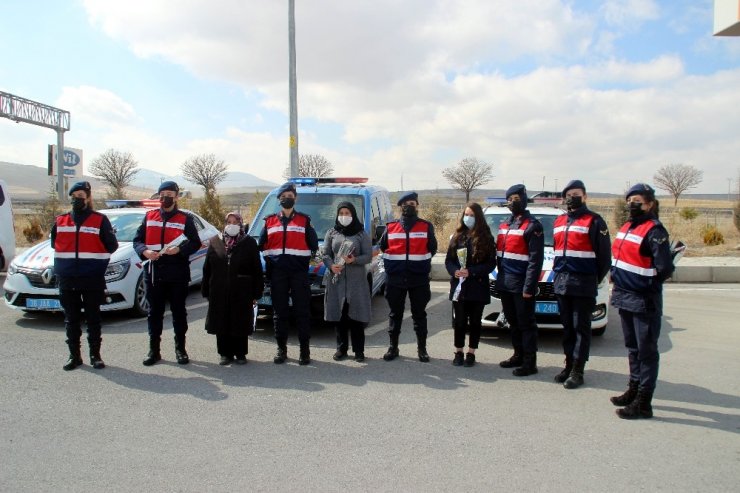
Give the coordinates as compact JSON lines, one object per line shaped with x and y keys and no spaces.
{"x":29,"y":182}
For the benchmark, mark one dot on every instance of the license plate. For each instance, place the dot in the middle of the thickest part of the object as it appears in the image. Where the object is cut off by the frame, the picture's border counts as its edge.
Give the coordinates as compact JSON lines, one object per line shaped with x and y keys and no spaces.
{"x":43,"y":304}
{"x":546,"y":307}
{"x":265,"y":300}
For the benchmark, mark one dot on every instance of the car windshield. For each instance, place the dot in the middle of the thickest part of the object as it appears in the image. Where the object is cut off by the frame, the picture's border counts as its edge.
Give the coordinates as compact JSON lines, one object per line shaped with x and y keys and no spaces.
{"x":125,"y":225}
{"x":322,"y":207}
{"x":547,"y":220}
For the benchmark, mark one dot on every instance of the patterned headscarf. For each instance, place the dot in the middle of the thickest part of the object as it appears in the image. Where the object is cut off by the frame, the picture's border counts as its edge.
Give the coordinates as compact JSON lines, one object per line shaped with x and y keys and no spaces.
{"x":230,"y":241}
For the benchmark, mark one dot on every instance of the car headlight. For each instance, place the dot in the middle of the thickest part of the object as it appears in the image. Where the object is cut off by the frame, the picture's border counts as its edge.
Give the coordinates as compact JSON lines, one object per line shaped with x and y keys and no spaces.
{"x":12,"y":269}
{"x":117,"y":270}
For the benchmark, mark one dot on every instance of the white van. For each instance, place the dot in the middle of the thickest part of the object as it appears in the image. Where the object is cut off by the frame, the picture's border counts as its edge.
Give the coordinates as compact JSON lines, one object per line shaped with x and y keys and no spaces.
{"x":7,"y":233}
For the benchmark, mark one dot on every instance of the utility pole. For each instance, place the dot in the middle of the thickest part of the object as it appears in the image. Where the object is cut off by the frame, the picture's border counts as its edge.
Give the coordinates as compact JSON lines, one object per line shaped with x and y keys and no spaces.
{"x":293,"y":91}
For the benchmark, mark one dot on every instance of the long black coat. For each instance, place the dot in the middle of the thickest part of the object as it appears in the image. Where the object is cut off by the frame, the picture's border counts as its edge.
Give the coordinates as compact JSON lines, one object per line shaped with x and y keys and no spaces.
{"x":231,"y":283}
{"x":476,"y":286}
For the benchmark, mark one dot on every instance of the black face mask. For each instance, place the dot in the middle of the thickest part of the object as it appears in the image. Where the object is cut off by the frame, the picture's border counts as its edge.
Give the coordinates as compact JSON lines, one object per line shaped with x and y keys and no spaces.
{"x":516,"y":207}
{"x":574,"y":202}
{"x":78,"y":204}
{"x":636,"y":210}
{"x":287,"y":203}
{"x":408,"y":210}
{"x":167,"y":202}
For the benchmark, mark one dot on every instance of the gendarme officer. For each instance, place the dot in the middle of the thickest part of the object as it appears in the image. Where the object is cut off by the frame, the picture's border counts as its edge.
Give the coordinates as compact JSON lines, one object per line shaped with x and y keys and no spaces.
{"x":520,"y":249}
{"x":167,"y":238}
{"x":83,"y":241}
{"x":408,"y":246}
{"x":582,"y":260}
{"x":288,"y":241}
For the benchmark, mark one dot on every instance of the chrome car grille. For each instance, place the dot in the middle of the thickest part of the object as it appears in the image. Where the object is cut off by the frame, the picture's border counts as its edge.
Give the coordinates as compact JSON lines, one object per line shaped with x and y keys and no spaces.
{"x":45,"y":279}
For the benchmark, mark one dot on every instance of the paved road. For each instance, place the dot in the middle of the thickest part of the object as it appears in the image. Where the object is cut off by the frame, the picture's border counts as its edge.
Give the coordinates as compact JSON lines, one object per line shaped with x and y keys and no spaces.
{"x":401,"y":426}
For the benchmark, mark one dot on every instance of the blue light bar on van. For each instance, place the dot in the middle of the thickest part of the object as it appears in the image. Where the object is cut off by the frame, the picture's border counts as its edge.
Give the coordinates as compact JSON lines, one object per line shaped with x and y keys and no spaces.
{"x":118,"y":203}
{"x":303,"y":181}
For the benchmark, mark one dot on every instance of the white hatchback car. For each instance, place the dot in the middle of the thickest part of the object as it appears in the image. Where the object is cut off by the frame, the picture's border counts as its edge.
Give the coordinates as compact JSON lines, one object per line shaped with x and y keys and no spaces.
{"x":546,"y":306}
{"x":32,"y":286}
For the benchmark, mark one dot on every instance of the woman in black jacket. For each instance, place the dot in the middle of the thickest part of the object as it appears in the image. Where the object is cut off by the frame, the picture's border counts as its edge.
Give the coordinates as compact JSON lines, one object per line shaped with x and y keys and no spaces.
{"x":232,"y":282}
{"x":469,"y":286}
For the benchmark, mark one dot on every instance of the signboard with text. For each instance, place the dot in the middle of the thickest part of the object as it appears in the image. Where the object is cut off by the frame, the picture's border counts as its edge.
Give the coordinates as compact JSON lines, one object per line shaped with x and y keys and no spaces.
{"x":72,"y":161}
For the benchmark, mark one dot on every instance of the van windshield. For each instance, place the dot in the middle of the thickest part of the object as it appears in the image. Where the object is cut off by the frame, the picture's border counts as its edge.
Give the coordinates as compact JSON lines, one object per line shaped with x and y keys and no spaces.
{"x":547,"y":221}
{"x":322,"y":207}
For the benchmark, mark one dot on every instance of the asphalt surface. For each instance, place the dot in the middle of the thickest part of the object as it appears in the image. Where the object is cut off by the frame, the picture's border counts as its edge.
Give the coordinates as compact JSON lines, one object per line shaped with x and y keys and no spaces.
{"x":381,"y":426}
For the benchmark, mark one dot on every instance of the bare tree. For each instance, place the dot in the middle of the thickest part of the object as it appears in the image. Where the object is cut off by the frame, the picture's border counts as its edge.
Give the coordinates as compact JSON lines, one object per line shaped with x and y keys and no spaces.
{"x":469,"y":174}
{"x":117,"y":169}
{"x":205,"y":170}
{"x":677,"y":178}
{"x":314,"y":165}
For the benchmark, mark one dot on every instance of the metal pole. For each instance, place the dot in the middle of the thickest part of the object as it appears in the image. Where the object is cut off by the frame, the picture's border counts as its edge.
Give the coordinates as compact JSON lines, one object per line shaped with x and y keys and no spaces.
{"x":61,"y":191}
{"x":293,"y":91}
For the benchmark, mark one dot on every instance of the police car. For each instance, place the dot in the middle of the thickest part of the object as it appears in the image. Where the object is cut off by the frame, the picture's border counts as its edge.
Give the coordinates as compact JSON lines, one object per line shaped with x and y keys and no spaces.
{"x":31,"y":284}
{"x":319,"y":198}
{"x":546,"y":305}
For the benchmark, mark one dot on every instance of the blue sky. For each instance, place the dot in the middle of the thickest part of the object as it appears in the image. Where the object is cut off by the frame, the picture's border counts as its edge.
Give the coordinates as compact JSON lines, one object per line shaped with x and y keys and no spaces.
{"x":607,"y":92}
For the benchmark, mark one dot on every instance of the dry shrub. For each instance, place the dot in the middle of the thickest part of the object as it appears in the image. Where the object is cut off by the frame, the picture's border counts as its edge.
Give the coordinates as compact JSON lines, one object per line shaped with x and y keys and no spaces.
{"x":736,"y":215}
{"x":688,"y":213}
{"x":33,"y":232}
{"x":712,"y":236}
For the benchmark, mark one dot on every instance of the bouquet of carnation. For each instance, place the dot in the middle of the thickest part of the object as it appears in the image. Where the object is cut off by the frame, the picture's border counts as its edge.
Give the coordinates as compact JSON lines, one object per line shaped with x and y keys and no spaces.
{"x":462,"y":257}
{"x":345,"y":250}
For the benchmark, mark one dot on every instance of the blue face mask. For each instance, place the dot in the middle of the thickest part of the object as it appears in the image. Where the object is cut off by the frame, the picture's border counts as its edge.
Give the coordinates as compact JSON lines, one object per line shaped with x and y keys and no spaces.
{"x":469,"y":221}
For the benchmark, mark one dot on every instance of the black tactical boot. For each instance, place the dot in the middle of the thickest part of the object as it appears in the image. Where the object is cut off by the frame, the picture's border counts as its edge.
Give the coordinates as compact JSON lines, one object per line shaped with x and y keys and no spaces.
{"x":514,"y":361}
{"x":340,"y":354}
{"x":282,"y":352}
{"x":628,"y":396}
{"x":180,"y":353}
{"x":421,"y":345}
{"x":304,"y":357}
{"x":154,"y":354}
{"x":75,"y":356}
{"x":392,"y":352}
{"x":640,"y":408}
{"x":95,"y":360}
{"x":563,"y":375}
{"x":529,"y":365}
{"x":575,"y":379}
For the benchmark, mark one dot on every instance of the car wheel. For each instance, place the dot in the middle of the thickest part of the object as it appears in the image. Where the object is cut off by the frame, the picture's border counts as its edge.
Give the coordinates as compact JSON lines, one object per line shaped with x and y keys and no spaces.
{"x":141,"y":305}
{"x":599,"y":332}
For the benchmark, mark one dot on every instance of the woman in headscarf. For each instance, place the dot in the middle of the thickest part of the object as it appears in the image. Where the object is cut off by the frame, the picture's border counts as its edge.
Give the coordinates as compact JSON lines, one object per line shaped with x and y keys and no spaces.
{"x":347,"y":298}
{"x":469,"y":286}
{"x":232,"y":282}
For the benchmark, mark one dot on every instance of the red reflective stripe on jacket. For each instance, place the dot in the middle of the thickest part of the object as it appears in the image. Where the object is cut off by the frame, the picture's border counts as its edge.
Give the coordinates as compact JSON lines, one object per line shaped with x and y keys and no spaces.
{"x":86,"y":240}
{"x":626,"y":254}
{"x":577,"y":238}
{"x":417,"y":238}
{"x":158,"y":232}
{"x":289,"y":239}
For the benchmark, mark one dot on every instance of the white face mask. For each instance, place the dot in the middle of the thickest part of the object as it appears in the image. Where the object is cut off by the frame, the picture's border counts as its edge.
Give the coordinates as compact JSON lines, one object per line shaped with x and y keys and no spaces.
{"x":232,"y":229}
{"x":344,"y":220}
{"x":469,"y":221}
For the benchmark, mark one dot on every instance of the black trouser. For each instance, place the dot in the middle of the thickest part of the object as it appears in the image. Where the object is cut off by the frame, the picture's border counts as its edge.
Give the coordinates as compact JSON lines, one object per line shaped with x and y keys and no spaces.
{"x":641,"y":332}
{"x":73,"y":301}
{"x":419,"y":296}
{"x":346,"y":328}
{"x":467,"y":318}
{"x":232,"y":345}
{"x":519,"y":312}
{"x":291,"y":285}
{"x":575,"y":314}
{"x":158,"y":295}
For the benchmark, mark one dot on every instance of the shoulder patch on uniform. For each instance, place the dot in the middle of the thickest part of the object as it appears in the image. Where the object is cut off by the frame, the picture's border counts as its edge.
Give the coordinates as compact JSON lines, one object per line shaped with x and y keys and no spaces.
{"x":538,"y":233}
{"x":660,"y":240}
{"x":604,"y":232}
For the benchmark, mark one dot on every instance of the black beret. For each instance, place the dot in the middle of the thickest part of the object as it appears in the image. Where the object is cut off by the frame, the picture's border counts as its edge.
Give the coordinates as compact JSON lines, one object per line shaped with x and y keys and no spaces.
{"x":168,"y":185}
{"x":518,"y":189}
{"x":408,"y":196}
{"x":641,"y":189}
{"x":574,"y":184}
{"x":80,"y":185}
{"x":288,"y":186}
